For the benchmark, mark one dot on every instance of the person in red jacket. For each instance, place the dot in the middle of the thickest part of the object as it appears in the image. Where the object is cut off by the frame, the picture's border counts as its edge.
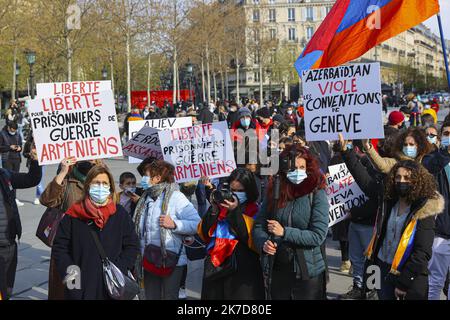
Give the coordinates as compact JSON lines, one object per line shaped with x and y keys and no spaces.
{"x":263,"y":117}
{"x":435,"y":105}
{"x":244,"y":124}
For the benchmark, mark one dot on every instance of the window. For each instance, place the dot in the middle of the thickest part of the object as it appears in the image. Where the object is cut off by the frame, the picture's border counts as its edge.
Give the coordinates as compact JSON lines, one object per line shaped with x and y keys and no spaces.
{"x":271,"y":1}
{"x":255,"y":15}
{"x":309,"y":32}
{"x":292,"y":34}
{"x":291,"y":14}
{"x":273,"y":57}
{"x":272,"y":15}
{"x":328,"y":10}
{"x":256,"y":76}
{"x":256,"y":59}
{"x":255,"y":1}
{"x":273,"y":33}
{"x":310,"y":14}
{"x":256,"y":35}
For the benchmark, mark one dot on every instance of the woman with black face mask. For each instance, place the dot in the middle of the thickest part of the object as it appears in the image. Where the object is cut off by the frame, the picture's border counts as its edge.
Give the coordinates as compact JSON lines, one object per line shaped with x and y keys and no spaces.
{"x":402,"y":241}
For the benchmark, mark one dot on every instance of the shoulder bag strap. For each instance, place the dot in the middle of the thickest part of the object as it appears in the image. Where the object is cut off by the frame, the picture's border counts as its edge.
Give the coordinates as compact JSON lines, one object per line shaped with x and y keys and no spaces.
{"x":99,"y":246}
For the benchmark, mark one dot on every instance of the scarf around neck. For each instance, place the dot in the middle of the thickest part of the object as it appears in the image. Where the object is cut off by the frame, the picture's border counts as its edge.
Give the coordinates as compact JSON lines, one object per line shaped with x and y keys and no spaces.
{"x":86,"y":210}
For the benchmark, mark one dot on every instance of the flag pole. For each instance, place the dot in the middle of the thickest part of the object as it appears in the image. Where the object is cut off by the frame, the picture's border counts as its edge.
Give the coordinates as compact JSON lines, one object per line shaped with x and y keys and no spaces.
{"x":444,"y":48}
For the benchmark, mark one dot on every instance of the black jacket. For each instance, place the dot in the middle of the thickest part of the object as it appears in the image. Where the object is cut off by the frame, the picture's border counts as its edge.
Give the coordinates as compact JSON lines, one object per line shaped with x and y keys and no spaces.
{"x":205,"y":116}
{"x":369,"y":181}
{"x":232,"y":117}
{"x":247,"y":282}
{"x":74,"y":245}
{"x":6,"y":141}
{"x":10,"y":181}
{"x":322,"y":150}
{"x":416,"y":265}
{"x":435,"y":164}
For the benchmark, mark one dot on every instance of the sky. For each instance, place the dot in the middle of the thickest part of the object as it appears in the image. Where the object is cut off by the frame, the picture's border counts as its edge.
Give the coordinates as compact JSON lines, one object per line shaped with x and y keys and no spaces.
{"x":445,"y":17}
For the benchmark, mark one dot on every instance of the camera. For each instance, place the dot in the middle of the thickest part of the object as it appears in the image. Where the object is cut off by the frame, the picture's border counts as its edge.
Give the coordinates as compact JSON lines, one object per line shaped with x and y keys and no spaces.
{"x":287,"y":162}
{"x":222,"y":194}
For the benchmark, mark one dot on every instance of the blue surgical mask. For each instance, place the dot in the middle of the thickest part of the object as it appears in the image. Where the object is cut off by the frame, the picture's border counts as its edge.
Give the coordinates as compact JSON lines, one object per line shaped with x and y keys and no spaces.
{"x":297,"y":176}
{"x":349,"y":146}
{"x":245,"y":122}
{"x":445,"y":141}
{"x":432,"y":140}
{"x":145,"y":182}
{"x":13,"y":133}
{"x":132,"y":190}
{"x":242,"y":196}
{"x":410,"y":151}
{"x":99,"y":193}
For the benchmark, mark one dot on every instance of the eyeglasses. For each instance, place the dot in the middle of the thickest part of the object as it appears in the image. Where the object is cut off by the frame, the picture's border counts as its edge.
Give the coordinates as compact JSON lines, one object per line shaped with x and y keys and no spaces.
{"x":100,"y":184}
{"x":432,"y":135}
{"x":446,"y":133}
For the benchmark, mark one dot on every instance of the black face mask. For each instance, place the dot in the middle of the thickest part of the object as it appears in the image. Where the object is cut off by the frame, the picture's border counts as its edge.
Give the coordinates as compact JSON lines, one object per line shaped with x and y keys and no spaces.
{"x":402,"y":188}
{"x":84,"y":167}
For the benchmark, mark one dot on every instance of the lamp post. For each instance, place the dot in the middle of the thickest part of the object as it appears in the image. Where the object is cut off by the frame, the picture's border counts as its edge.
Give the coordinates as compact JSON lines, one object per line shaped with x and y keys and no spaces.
{"x":189,"y":71}
{"x":104,"y":73}
{"x":31,"y":60}
{"x":17,"y":75}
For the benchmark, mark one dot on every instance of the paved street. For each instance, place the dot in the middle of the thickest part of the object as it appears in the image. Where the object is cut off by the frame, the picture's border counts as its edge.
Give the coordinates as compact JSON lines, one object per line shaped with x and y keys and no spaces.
{"x":32,"y":272}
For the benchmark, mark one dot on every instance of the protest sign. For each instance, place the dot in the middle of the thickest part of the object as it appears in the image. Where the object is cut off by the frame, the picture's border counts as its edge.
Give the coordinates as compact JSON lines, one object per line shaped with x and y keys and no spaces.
{"x":71,"y":88}
{"x":343,"y":193}
{"x":345,"y":99}
{"x":161,"y":124}
{"x":80,"y":125}
{"x":198,"y":151}
{"x":145,"y":143}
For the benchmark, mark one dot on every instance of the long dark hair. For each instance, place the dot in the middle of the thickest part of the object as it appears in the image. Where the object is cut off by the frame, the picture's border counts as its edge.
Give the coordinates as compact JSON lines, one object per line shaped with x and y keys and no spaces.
{"x":423,"y":146}
{"x":248,"y":181}
{"x":423,"y":184}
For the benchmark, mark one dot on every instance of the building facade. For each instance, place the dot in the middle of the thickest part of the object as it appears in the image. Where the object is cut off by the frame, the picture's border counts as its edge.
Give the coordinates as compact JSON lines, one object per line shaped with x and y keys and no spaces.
{"x":278,"y":30}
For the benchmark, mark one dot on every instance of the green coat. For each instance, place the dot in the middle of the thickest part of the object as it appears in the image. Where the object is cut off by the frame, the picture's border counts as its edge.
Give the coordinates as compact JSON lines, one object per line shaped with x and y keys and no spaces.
{"x":308,"y":231}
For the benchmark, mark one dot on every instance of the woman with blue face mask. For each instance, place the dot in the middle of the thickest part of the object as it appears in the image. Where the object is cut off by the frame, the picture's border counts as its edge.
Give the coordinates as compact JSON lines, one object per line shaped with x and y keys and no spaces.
{"x":293,"y":229}
{"x":412,"y":144}
{"x":75,"y":245}
{"x":226,"y":231}
{"x":163,"y":217}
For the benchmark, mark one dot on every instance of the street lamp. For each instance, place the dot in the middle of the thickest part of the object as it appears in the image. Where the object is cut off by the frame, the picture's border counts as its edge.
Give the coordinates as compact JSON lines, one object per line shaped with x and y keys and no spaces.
{"x":104,"y":73}
{"x":17,"y":75}
{"x":31,"y":60}
{"x":189,"y":71}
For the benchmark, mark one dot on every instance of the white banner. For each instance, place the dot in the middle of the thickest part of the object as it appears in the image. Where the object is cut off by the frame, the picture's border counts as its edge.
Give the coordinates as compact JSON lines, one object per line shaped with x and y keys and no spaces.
{"x":71,"y":88}
{"x":198,"y":151}
{"x":161,"y":124}
{"x":345,"y":99}
{"x":343,"y":193}
{"x":80,"y":125}
{"x":144,"y":144}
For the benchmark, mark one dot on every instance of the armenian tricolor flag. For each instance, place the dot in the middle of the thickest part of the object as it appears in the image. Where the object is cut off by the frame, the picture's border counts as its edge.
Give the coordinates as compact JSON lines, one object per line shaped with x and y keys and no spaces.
{"x":353,"y":27}
{"x":221,"y":242}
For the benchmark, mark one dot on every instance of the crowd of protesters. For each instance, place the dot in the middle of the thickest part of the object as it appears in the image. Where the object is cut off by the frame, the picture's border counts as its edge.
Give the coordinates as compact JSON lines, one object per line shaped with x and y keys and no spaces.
{"x":261,"y":236}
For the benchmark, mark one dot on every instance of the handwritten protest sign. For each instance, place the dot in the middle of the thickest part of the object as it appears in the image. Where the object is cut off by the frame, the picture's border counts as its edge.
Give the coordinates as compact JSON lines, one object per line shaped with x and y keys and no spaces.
{"x":145,"y":143}
{"x":343,"y":193}
{"x":161,"y":124}
{"x":71,"y":88}
{"x":80,"y":125}
{"x":345,"y":99}
{"x":203,"y":150}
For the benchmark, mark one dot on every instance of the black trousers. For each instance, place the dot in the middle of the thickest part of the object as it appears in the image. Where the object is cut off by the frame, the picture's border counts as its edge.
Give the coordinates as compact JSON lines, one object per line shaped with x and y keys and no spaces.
{"x":285,"y":286}
{"x":8,"y":266}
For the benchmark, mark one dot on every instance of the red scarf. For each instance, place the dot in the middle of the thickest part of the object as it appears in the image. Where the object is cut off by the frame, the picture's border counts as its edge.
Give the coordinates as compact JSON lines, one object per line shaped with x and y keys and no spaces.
{"x":86,"y":210}
{"x":304,"y":188}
